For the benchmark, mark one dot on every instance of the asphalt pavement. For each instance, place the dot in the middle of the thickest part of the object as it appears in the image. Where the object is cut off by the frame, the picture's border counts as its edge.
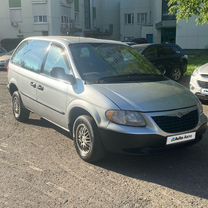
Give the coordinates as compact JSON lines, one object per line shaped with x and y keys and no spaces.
{"x":40,"y":168}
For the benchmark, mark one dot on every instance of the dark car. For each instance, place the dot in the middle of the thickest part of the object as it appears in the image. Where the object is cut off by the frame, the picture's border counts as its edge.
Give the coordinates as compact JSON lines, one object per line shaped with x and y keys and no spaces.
{"x":130,"y":43}
{"x":140,"y":40}
{"x":4,"y":60}
{"x":2,"y":51}
{"x":170,"y":59}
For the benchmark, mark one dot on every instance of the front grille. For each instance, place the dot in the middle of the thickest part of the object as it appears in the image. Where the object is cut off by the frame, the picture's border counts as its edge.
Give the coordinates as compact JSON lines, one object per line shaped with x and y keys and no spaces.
{"x":203,"y":84}
{"x":204,"y":75}
{"x":175,"y":124}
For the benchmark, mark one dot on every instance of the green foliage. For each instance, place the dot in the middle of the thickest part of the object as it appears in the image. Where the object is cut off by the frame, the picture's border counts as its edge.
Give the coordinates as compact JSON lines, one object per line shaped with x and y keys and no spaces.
{"x":196,"y":60}
{"x":184,"y":9}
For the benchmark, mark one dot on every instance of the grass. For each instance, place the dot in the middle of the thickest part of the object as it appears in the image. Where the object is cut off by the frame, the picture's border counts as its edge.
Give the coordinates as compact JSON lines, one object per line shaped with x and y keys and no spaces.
{"x":196,"y":60}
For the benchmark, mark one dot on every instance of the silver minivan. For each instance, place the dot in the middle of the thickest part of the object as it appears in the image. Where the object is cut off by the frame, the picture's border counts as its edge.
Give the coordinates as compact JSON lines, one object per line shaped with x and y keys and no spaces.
{"x":104,"y":93}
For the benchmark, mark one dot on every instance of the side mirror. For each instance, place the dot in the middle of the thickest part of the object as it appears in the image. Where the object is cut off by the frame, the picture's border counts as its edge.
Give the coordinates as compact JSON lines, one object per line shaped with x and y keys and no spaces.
{"x":59,"y":73}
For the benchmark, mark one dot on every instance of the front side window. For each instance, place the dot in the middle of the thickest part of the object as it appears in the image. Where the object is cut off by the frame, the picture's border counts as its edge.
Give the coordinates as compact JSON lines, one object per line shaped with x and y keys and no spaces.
{"x":56,"y":59}
{"x":30,"y":55}
{"x":95,"y":61}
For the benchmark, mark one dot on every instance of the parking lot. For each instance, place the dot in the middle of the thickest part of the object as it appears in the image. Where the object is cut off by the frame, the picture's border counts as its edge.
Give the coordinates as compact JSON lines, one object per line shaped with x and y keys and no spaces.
{"x":40,"y":168}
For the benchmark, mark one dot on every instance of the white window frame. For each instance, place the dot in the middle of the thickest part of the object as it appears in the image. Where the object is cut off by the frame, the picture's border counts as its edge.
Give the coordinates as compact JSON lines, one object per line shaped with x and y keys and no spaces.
{"x":40,"y":19}
{"x":127,"y":17}
{"x":142,"y":18}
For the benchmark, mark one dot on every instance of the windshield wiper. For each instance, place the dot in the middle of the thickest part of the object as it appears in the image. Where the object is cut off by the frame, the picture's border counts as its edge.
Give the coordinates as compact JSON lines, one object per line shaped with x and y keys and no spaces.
{"x":132,"y":77}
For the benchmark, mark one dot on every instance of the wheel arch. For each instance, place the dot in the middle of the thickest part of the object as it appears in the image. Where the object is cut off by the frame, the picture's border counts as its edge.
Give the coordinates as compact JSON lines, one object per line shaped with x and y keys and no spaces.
{"x":12,"y":87}
{"x":79,"y":110}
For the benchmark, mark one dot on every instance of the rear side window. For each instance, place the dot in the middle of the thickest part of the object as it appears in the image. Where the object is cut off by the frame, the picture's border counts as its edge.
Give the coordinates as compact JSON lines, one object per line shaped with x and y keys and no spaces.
{"x":165,"y":51}
{"x":30,"y":55}
{"x":150,"y":52}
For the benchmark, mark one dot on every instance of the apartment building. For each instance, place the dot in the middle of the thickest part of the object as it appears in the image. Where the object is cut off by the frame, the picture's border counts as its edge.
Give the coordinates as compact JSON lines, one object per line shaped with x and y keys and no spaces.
{"x":23,"y":18}
{"x":110,"y":19}
{"x":147,"y":19}
{"x":150,"y":19}
{"x":106,"y":19}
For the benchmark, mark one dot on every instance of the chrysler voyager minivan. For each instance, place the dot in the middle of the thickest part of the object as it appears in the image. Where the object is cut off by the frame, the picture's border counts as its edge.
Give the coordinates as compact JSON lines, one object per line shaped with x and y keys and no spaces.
{"x":104,"y":93}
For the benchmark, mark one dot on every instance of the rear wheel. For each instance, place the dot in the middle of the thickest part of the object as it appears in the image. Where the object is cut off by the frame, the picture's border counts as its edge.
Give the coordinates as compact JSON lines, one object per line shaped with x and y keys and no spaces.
{"x":176,"y":74}
{"x":86,"y":139}
{"x":19,"y":111}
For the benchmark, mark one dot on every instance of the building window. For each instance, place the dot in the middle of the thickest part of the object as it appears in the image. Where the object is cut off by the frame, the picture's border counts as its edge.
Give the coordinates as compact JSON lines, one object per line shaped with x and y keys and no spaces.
{"x":39,"y":1}
{"x":142,"y":18}
{"x":165,"y":13}
{"x":40,"y":19}
{"x":76,"y":5}
{"x":14,"y":3}
{"x":129,"y":19}
{"x":94,"y":14}
{"x":87,"y":14}
{"x":76,"y":14}
{"x":65,"y":19}
{"x":15,"y":16}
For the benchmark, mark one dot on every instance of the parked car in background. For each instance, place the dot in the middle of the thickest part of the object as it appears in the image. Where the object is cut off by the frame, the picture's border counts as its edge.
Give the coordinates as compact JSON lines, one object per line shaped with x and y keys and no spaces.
{"x":130,"y":43}
{"x":170,"y":59}
{"x":4,"y":60}
{"x":199,"y":82}
{"x":2,"y":51}
{"x":107,"y":95}
{"x":139,"y":40}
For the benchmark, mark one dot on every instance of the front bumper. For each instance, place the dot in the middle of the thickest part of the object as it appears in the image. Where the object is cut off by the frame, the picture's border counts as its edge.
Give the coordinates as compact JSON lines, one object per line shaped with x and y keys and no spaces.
{"x":133,"y":144}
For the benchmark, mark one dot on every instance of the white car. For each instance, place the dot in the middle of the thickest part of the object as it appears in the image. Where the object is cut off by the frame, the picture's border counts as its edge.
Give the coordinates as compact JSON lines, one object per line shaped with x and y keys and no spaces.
{"x":199,"y":82}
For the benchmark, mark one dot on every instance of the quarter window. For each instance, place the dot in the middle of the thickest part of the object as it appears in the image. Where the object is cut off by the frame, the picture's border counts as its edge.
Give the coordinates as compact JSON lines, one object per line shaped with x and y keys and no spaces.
{"x":30,"y":55}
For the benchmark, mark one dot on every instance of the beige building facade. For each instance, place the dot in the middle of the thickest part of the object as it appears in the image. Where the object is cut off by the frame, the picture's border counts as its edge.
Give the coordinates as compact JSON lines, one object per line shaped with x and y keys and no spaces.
{"x":149,"y":19}
{"x":23,"y":18}
{"x":110,"y":19}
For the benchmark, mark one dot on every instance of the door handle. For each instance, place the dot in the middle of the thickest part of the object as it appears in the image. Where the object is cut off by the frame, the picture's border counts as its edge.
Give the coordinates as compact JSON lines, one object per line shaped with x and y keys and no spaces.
{"x":40,"y":87}
{"x":33,"y":84}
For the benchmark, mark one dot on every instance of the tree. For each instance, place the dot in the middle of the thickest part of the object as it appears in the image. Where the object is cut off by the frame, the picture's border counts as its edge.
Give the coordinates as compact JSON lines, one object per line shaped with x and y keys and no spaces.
{"x":184,"y":9}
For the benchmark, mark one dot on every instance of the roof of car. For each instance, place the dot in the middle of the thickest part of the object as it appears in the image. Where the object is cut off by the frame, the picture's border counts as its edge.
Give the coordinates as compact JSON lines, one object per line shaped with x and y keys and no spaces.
{"x":142,"y":45}
{"x":73,"y":39}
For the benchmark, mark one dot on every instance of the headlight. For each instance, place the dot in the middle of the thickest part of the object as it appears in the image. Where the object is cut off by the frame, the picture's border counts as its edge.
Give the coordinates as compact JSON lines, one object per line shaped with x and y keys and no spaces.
{"x":128,"y":118}
{"x":200,"y":107}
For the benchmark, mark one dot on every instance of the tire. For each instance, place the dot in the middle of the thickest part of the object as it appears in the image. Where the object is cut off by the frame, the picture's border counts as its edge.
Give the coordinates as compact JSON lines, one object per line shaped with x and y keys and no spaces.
{"x":19,"y":111}
{"x":184,"y":65}
{"x":175,"y":74}
{"x":86,"y":139}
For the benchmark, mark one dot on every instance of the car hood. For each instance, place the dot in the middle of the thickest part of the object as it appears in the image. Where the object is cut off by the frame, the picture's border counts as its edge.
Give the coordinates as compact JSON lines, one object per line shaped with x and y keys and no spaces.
{"x":148,"y":96}
{"x":203,"y":69}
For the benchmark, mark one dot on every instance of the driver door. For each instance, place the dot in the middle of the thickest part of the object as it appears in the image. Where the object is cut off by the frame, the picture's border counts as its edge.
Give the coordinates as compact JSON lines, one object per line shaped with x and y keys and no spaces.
{"x":52,"y":92}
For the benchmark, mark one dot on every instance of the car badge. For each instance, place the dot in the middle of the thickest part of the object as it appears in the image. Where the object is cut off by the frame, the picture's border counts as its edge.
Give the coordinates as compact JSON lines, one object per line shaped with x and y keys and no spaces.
{"x":179,"y":115}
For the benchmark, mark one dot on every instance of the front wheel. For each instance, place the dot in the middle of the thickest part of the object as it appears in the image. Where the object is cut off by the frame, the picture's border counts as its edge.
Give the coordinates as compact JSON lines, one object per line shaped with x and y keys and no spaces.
{"x":86,"y":139}
{"x":19,"y":111}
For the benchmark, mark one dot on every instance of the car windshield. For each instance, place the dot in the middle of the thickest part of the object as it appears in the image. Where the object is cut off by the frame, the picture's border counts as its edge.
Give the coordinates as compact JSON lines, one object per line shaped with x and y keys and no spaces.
{"x":102,"y":62}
